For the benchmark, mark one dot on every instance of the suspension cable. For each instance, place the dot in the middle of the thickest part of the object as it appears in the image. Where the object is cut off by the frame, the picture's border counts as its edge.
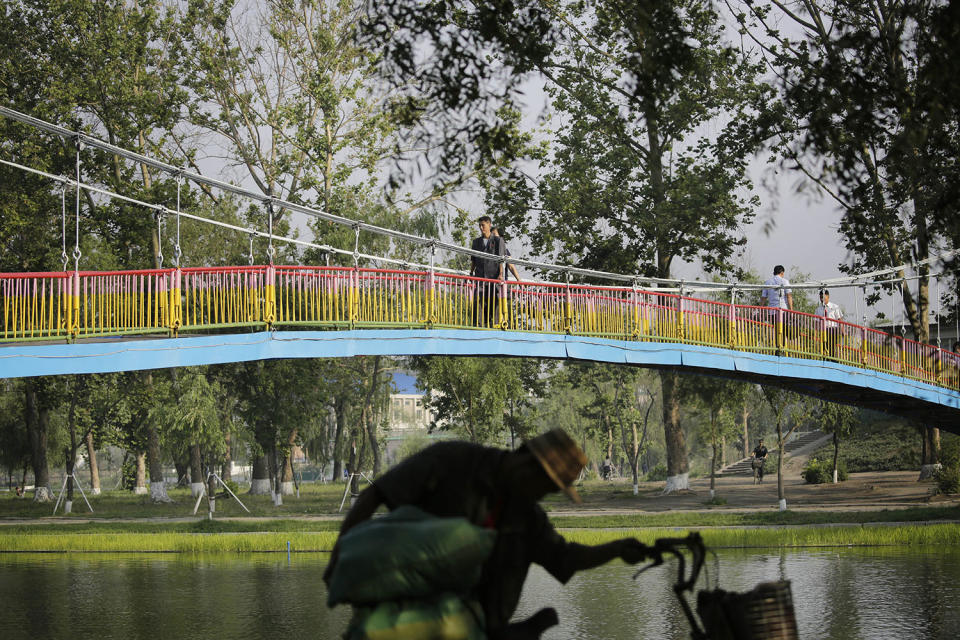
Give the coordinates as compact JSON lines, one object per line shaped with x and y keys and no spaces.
{"x":270,"y":249}
{"x":177,"y":253}
{"x":63,"y":225}
{"x":423,"y":241}
{"x":159,"y":215}
{"x":936,"y":281}
{"x":76,"y":246}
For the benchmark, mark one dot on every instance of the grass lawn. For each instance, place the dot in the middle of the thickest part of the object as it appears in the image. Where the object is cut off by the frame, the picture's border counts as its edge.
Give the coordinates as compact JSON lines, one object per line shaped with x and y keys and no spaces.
{"x":124,"y":522}
{"x":315,"y":499}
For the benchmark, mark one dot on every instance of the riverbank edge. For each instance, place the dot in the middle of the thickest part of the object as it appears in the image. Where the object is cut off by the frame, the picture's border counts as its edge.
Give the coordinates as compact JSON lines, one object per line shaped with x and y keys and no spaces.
{"x":869,"y":535}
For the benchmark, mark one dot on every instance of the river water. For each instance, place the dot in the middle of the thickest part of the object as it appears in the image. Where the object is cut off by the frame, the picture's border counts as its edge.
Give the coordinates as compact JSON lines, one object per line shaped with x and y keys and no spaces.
{"x":839,"y":593}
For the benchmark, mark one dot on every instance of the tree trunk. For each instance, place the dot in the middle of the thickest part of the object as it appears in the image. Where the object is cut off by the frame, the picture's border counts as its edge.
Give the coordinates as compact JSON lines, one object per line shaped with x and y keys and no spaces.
{"x":94,"y":467}
{"x":226,"y":469}
{"x":780,"y":445}
{"x":260,"y":476}
{"x":275,"y":472}
{"x":746,"y":433}
{"x":286,"y":484}
{"x":183,"y":471}
{"x":71,"y":452}
{"x":37,"y":419}
{"x":141,"y":486}
{"x":930,"y":453}
{"x":836,"y":455}
{"x":713,"y":470}
{"x":678,"y":468}
{"x":196,"y":471}
{"x":340,"y":415}
{"x":352,"y":468}
{"x":635,"y":460}
{"x":158,"y":489}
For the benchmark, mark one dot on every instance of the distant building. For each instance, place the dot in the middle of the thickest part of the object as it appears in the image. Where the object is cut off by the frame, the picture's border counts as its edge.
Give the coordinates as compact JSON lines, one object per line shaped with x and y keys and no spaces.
{"x":407,"y":411}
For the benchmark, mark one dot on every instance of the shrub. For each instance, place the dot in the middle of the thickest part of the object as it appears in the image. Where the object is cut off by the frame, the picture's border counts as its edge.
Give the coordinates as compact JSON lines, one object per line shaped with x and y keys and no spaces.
{"x":948,"y":476}
{"x":948,"y":480}
{"x":657,"y":474}
{"x":821,"y":471}
{"x":895,"y":449}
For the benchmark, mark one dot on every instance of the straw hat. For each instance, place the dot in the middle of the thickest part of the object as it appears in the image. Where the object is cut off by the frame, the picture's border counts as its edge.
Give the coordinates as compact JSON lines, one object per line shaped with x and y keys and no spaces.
{"x":560,"y":457}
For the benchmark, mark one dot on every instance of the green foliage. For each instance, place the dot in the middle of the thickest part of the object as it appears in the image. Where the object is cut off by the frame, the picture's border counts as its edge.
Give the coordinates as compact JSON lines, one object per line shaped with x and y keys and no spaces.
{"x":657,"y":474}
{"x":893,"y":449}
{"x":948,"y":476}
{"x":484,"y":400}
{"x":867,"y":115}
{"x":821,"y":471}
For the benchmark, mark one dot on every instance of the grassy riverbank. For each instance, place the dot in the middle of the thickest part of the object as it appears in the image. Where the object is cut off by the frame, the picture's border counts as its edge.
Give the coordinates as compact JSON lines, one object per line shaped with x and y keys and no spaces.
{"x":273,"y":536}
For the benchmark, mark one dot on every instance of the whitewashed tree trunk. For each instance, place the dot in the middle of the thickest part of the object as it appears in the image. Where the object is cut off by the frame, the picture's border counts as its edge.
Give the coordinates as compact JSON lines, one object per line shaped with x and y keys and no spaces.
{"x":927,"y":471}
{"x":783,"y":504}
{"x":95,"y":491}
{"x":68,"y":506}
{"x":158,"y":493}
{"x":196,"y":488}
{"x":42,"y":494}
{"x":260,"y":487}
{"x":636,"y":489}
{"x":286,"y":488}
{"x":677,"y":483}
{"x":141,"y":486}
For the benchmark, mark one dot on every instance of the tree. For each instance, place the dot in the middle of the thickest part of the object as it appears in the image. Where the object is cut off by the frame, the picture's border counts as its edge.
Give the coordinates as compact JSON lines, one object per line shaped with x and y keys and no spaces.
{"x":473,"y":396}
{"x":840,"y":420}
{"x":717,"y":399}
{"x":633,"y":182}
{"x":788,"y":408}
{"x":865,"y":116}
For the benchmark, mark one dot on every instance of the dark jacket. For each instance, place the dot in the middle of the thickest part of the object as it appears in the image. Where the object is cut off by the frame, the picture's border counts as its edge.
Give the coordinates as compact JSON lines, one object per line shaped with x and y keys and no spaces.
{"x":484,"y":268}
{"x":452,"y":479}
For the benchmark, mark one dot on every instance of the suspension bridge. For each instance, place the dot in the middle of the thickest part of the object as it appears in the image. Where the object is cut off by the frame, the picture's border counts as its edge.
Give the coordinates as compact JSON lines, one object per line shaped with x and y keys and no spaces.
{"x":78,"y":321}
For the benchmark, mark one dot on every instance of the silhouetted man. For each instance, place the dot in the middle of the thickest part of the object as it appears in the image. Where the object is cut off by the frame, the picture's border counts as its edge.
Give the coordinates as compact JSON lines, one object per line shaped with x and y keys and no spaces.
{"x":499,"y":490}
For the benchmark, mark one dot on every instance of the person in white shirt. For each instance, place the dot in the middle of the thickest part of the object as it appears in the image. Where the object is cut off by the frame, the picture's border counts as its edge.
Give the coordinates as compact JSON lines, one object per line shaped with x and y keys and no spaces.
{"x":832,"y":313}
{"x":770,"y":295}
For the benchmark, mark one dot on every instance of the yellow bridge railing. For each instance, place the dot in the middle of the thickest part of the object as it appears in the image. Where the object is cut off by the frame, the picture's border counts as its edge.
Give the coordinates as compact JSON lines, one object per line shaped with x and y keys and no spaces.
{"x":89,"y":304}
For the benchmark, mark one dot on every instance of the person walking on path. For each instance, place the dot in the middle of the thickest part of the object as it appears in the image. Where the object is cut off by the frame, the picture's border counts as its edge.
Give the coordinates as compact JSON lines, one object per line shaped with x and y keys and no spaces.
{"x":759,"y":459}
{"x":499,"y":490}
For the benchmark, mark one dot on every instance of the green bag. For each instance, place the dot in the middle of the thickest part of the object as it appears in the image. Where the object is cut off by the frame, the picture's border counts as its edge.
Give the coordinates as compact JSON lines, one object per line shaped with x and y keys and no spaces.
{"x":408,"y":554}
{"x":445,"y":616}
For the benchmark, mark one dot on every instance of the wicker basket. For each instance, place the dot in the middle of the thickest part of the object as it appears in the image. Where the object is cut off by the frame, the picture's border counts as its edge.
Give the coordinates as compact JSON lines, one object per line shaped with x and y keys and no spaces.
{"x":765,"y":613}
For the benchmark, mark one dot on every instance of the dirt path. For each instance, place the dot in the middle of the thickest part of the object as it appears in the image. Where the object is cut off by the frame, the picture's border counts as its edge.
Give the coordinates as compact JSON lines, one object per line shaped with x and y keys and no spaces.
{"x":861,"y":492}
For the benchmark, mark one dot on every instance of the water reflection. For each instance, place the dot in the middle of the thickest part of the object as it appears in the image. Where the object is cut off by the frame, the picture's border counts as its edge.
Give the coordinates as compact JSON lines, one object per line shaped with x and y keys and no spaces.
{"x":839,"y":594}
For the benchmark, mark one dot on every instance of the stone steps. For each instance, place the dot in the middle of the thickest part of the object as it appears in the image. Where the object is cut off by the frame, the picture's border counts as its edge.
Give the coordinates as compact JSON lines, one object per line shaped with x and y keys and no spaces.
{"x":743,"y":468}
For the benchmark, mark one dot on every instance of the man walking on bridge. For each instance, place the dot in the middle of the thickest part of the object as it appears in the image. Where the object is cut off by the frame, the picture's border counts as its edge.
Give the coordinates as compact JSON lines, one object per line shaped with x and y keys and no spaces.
{"x":775,"y":292}
{"x":485,"y":298}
